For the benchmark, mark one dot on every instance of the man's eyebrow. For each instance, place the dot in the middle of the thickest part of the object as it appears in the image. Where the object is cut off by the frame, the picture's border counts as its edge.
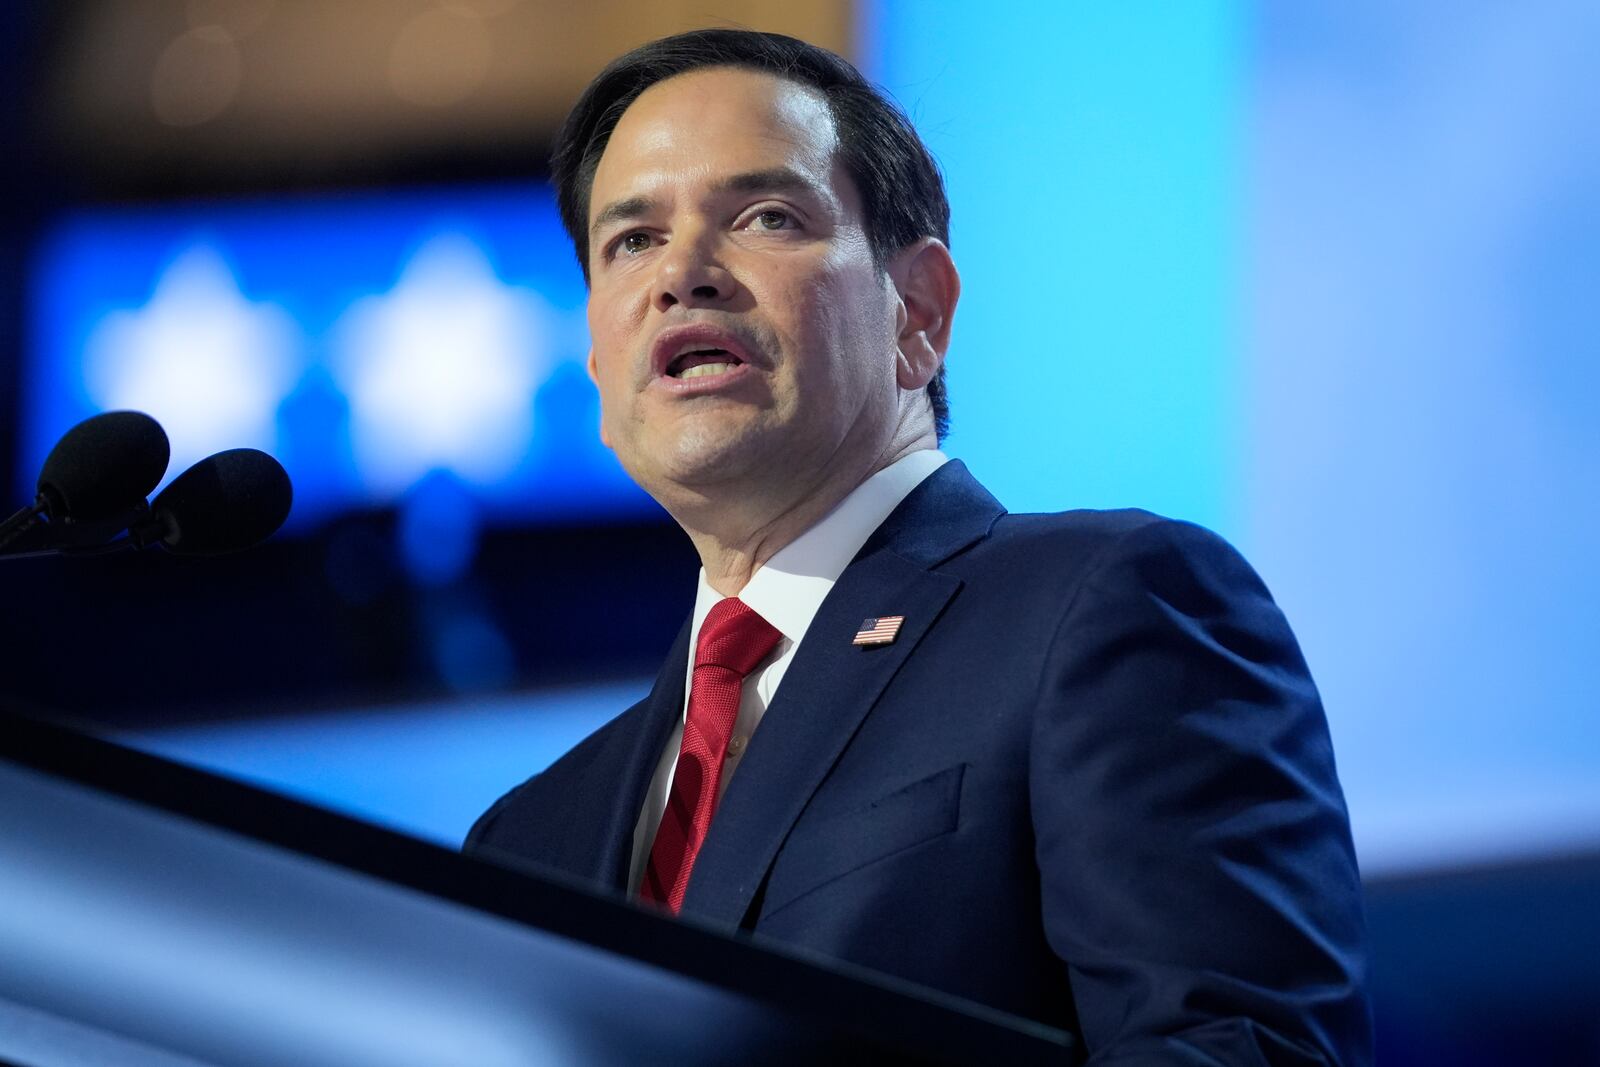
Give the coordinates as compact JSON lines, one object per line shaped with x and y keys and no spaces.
{"x":634,"y":207}
{"x":771,"y":180}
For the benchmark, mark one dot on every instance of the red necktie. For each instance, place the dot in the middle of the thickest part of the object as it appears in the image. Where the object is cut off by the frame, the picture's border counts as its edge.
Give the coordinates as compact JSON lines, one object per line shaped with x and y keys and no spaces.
{"x":733,"y":639}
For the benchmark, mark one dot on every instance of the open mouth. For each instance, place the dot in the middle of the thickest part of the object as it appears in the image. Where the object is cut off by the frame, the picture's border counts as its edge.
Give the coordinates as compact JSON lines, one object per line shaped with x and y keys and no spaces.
{"x":702,"y":363}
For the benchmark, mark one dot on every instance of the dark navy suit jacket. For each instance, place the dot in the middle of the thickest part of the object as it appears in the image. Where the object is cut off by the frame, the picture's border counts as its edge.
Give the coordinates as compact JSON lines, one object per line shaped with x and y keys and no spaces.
{"x":1090,"y":783}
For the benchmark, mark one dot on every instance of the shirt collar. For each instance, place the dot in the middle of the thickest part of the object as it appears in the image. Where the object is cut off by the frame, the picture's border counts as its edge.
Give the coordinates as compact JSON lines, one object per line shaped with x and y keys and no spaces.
{"x":789,"y":588}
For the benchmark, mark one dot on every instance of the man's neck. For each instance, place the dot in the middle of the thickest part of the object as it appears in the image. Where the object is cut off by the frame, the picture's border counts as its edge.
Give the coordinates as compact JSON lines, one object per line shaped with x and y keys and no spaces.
{"x":735,"y":541}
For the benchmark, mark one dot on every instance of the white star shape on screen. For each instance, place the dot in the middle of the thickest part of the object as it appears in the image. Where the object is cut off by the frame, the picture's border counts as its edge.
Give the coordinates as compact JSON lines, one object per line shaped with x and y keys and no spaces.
{"x":441,"y":370}
{"x":206,"y":363}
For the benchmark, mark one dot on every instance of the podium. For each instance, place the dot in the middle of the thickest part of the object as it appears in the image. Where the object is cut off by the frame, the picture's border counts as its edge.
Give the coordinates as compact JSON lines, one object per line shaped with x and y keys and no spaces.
{"x":155,"y":915}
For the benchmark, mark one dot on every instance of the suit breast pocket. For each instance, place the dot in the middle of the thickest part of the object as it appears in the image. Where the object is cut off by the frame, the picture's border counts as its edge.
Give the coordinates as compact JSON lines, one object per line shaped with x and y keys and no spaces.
{"x":824,"y":850}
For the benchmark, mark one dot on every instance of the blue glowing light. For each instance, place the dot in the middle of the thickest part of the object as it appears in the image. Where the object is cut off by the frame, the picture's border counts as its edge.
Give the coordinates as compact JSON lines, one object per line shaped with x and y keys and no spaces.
{"x":442,"y":369}
{"x":367,"y":341}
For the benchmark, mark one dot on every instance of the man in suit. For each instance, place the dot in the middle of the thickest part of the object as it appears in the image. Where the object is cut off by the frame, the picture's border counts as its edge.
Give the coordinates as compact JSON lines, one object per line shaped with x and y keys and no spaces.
{"x":1071,"y":766}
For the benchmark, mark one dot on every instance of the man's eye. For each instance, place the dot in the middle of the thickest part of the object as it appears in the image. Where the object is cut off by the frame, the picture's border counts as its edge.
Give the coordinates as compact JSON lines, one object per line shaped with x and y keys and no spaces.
{"x":773,"y":220}
{"x":634,"y":243}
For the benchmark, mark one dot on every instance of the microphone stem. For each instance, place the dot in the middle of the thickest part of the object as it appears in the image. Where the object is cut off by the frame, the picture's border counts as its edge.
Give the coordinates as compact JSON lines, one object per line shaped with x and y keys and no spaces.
{"x":20,"y":523}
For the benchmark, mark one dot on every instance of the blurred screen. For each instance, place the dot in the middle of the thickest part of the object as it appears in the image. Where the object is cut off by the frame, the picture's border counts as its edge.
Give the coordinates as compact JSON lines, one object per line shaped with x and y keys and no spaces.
{"x":382,"y":345}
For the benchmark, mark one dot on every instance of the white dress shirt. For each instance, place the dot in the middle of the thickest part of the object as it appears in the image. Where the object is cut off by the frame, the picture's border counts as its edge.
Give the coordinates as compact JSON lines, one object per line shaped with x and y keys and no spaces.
{"x":786,"y":591}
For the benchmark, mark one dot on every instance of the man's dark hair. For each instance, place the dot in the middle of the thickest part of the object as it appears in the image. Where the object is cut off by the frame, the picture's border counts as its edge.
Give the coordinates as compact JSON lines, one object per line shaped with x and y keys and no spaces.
{"x":902,"y":194}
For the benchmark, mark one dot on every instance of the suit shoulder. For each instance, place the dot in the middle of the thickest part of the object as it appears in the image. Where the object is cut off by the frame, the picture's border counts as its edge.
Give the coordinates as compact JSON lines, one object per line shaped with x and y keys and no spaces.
{"x":1104,"y":536}
{"x":572,"y":762}
{"x":1087,"y":525}
{"x":1125,"y":552}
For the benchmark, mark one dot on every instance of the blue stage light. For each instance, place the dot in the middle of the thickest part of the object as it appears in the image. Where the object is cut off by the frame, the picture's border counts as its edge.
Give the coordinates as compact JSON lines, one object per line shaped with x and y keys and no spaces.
{"x":366,"y":340}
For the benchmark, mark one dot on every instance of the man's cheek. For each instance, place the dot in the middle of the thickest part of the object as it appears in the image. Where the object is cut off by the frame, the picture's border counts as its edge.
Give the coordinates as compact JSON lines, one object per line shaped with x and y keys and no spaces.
{"x":592,"y":366}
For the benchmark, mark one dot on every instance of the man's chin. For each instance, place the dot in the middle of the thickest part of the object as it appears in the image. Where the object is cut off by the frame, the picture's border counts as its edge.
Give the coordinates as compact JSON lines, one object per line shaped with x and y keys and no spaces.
{"x":702,"y":461}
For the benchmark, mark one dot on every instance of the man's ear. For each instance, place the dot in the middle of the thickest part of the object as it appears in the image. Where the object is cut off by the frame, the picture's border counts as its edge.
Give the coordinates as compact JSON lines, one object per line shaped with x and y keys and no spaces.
{"x":928,"y":286}
{"x":594,"y":376}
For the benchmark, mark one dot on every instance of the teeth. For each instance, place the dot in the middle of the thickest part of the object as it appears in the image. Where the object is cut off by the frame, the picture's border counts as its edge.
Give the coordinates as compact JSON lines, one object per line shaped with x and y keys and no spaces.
{"x":705,"y":370}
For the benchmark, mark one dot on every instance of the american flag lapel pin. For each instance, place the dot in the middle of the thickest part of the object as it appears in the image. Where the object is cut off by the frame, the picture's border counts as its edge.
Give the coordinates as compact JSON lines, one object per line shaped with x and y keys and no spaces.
{"x":879,"y":631}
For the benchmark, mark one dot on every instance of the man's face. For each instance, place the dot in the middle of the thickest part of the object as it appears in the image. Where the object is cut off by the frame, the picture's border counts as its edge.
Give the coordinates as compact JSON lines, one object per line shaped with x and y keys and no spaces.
{"x":742,"y":333}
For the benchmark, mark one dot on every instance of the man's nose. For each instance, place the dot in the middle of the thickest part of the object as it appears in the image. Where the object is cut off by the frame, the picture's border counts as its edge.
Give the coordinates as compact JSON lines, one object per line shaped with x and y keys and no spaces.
{"x":690,"y":274}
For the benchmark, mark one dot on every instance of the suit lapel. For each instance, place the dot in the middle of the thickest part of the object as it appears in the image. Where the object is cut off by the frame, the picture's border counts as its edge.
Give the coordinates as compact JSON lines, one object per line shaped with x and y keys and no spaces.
{"x":832,"y":685}
{"x":620,"y":776}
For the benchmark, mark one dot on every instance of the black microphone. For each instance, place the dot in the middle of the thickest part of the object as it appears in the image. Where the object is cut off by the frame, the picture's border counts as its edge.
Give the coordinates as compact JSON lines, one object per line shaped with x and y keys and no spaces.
{"x":93,"y":483}
{"x":226,"y":502}
{"x":102,"y":466}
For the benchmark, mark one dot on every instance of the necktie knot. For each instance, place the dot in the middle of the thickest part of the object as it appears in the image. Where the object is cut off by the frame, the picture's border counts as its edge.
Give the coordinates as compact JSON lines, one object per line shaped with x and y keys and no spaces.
{"x":734,"y":637}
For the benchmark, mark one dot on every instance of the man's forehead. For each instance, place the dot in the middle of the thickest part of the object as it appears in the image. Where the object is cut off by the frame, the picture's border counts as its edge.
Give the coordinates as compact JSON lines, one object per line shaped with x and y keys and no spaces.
{"x":715,"y":118}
